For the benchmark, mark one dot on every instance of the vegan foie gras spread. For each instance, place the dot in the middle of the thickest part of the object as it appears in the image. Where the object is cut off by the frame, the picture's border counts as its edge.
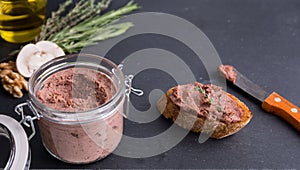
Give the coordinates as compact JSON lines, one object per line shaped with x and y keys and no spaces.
{"x":228,"y":72}
{"x":78,"y":90}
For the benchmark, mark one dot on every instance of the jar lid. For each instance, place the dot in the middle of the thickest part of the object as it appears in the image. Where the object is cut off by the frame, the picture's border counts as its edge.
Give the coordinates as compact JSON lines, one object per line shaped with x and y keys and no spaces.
{"x":19,"y":148}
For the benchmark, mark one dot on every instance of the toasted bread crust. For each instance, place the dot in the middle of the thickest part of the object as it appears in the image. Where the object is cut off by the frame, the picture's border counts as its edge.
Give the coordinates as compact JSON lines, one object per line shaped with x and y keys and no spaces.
{"x":199,"y":124}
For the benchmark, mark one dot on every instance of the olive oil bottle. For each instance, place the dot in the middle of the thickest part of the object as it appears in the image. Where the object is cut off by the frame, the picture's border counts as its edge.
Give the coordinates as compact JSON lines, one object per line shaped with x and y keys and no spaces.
{"x":20,"y":20}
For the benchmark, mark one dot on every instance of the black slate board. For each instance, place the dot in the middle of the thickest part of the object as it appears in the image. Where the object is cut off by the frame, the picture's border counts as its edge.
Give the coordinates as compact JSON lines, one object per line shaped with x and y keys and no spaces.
{"x":259,"y":37}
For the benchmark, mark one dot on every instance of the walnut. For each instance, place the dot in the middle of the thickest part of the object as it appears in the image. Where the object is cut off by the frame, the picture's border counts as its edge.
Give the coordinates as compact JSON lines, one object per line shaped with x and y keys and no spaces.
{"x":12,"y":81}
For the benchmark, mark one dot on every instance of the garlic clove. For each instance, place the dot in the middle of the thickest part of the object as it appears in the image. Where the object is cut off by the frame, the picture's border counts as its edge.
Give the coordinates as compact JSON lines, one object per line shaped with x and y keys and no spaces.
{"x":32,"y":56}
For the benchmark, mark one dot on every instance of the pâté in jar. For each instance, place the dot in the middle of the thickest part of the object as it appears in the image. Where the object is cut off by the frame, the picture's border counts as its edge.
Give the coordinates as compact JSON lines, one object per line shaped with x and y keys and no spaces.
{"x":79,"y":101}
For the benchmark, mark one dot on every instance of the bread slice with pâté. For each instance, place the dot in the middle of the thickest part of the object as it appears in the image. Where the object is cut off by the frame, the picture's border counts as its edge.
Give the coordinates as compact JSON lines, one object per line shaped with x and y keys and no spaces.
{"x":204,"y":108}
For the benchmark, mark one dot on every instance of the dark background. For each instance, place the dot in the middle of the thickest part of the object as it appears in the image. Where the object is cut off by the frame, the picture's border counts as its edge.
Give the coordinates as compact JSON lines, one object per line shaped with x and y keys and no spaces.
{"x":261,"y":38}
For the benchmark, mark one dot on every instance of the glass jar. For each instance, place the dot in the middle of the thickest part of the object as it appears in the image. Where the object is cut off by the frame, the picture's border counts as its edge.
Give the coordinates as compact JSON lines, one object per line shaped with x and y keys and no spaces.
{"x":84,"y":136}
{"x":20,"y":20}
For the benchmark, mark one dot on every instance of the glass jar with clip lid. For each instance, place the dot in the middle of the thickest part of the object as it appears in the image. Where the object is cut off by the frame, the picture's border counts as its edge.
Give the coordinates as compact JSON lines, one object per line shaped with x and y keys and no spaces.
{"x":79,"y":101}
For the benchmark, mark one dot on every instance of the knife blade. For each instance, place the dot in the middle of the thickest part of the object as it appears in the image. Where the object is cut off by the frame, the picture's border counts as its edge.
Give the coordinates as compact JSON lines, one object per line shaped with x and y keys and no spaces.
{"x":249,"y":87}
{"x":271,"y":102}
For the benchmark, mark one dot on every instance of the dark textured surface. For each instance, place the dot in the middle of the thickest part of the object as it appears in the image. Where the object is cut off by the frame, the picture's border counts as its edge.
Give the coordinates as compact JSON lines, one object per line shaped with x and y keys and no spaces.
{"x":259,"y":37}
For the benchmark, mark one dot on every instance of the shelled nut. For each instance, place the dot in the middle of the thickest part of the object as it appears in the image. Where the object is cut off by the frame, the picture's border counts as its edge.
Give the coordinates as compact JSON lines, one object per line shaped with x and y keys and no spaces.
{"x":11,"y":80}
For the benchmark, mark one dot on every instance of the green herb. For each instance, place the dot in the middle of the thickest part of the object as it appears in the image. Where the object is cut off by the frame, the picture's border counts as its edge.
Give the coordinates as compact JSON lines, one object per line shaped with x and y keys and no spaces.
{"x":211,"y":101}
{"x":219,"y":108}
{"x":83,"y":26}
{"x":200,"y":89}
{"x":196,"y":88}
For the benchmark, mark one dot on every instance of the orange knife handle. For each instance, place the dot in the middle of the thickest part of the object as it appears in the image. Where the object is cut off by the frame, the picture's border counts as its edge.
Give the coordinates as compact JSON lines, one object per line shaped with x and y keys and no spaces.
{"x":280,"y":106}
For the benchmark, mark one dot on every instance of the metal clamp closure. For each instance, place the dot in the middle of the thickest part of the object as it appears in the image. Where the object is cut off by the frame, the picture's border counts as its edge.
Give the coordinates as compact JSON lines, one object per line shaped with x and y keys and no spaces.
{"x":128,"y":82}
{"x":129,"y":89}
{"x":27,"y":120}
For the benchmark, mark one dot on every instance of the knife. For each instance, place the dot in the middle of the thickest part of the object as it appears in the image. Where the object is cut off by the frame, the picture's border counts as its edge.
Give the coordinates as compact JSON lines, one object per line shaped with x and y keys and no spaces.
{"x":271,"y":102}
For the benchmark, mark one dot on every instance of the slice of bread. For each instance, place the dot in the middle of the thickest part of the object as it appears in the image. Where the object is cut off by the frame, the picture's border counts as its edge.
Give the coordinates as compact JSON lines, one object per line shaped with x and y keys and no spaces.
{"x":193,"y":122}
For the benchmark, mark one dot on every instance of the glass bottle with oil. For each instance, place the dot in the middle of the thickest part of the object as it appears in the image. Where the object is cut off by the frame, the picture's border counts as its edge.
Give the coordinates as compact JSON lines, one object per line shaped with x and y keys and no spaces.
{"x":20,"y":20}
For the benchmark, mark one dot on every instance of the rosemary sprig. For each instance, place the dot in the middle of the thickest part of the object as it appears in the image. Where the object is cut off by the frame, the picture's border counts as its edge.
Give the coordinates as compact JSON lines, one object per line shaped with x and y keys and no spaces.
{"x":70,"y":45}
{"x":94,"y":29}
{"x":55,"y":16}
{"x":83,"y":10}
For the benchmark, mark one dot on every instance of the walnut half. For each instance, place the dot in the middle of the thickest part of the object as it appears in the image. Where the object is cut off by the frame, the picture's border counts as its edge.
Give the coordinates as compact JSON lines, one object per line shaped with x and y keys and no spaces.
{"x":12,"y":81}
